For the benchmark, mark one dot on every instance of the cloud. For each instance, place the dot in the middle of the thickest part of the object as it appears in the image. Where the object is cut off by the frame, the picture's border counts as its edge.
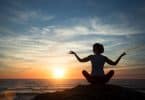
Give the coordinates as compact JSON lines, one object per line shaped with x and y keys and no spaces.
{"x":21,"y":16}
{"x":59,"y":39}
{"x":7,"y":69}
{"x":13,"y":57}
{"x":94,"y":26}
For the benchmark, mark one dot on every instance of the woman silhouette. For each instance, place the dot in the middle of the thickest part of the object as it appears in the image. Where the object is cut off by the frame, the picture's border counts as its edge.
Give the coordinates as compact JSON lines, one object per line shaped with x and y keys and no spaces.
{"x":98,"y":60}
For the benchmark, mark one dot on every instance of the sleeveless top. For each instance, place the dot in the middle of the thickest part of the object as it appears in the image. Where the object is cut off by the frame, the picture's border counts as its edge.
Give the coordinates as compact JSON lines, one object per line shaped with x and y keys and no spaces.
{"x":97,"y":62}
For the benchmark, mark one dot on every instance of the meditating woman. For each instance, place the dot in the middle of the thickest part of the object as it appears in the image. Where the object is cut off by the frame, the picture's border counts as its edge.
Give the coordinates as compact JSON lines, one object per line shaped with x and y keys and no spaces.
{"x":98,"y":60}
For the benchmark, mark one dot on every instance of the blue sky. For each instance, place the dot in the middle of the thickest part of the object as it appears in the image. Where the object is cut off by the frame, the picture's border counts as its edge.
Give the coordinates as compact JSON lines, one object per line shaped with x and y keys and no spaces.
{"x":31,"y":30}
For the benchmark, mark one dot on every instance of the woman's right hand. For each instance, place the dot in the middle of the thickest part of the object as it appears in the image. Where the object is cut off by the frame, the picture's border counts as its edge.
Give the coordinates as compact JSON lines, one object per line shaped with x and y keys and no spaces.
{"x":123,"y":54}
{"x":72,"y":52}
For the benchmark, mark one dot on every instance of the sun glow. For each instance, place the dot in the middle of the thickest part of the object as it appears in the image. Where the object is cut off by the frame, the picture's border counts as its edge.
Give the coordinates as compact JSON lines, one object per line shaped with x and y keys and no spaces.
{"x":58,"y":73}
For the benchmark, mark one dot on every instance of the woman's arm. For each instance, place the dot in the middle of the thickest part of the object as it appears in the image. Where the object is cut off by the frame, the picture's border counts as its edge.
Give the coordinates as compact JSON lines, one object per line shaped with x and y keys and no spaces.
{"x":117,"y":61}
{"x":86,"y":59}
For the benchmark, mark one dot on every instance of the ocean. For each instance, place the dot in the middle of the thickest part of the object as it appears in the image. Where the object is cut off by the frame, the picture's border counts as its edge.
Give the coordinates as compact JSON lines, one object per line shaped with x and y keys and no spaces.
{"x":24,"y":89}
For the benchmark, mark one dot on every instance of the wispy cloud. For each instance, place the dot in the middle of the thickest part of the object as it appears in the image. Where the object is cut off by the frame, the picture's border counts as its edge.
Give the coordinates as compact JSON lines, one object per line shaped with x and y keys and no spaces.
{"x":50,"y":38}
{"x":29,"y":16}
{"x":95,"y":26}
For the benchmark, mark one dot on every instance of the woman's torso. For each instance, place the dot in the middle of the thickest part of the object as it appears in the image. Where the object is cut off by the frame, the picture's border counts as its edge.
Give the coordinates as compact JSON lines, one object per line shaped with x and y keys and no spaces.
{"x":97,"y":62}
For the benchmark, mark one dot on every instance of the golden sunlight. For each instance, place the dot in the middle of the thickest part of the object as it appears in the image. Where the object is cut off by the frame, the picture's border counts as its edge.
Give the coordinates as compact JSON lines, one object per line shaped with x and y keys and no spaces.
{"x":58,"y":73}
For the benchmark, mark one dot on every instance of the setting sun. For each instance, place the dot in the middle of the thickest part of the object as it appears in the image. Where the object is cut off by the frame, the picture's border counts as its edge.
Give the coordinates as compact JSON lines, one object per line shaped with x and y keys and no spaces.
{"x":58,"y":73}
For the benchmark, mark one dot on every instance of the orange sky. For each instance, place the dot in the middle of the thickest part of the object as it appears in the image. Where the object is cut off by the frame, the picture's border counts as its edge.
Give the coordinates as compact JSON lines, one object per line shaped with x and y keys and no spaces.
{"x":71,"y":71}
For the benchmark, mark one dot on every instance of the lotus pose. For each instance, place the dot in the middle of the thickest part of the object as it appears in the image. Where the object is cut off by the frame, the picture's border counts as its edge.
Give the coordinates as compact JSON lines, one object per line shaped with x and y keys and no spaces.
{"x":98,"y":60}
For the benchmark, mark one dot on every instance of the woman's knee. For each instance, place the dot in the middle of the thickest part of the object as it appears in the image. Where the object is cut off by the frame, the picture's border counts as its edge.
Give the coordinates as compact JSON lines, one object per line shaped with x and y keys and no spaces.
{"x":112,"y":72}
{"x":86,"y":74}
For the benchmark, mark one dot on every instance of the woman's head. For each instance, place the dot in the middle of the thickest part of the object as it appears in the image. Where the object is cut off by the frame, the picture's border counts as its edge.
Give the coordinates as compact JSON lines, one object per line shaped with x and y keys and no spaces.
{"x":98,"y":48}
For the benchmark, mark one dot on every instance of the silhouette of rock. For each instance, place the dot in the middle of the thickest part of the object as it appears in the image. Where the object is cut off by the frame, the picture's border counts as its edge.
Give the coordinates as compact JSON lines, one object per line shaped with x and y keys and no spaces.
{"x":94,"y":92}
